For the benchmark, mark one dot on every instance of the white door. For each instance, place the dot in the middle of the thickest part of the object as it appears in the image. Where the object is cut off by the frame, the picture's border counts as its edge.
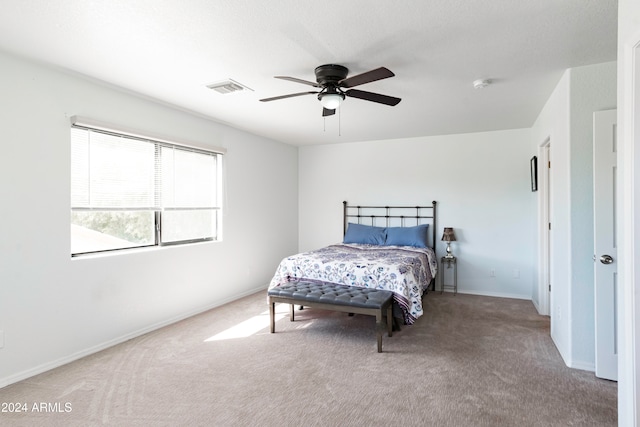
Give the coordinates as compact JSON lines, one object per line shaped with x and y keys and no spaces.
{"x":605,"y":253}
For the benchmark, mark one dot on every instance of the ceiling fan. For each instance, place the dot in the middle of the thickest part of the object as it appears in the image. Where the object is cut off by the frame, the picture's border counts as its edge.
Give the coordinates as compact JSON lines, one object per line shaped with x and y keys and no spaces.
{"x":331,"y":79}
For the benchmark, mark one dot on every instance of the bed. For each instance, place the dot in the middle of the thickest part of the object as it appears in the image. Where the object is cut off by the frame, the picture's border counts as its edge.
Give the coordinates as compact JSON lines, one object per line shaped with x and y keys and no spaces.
{"x":384,"y":247}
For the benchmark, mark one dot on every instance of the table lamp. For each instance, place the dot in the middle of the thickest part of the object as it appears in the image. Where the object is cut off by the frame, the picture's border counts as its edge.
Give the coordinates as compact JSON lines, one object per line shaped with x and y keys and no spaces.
{"x":448,"y":236}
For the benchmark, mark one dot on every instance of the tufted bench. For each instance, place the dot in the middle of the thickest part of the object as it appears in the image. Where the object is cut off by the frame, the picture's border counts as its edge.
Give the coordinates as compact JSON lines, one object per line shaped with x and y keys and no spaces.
{"x":329,"y":296}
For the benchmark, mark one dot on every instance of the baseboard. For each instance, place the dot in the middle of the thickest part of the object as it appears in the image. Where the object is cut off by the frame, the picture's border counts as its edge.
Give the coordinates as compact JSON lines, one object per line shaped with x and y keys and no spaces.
{"x":584,"y":366}
{"x":535,"y":304}
{"x":573,"y":364}
{"x":493,"y":294}
{"x":20,"y":376}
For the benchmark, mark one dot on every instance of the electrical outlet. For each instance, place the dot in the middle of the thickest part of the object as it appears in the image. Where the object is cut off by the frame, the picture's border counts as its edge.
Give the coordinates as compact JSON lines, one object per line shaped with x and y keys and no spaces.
{"x":516,"y":273}
{"x":492,"y":273}
{"x":1,"y":339}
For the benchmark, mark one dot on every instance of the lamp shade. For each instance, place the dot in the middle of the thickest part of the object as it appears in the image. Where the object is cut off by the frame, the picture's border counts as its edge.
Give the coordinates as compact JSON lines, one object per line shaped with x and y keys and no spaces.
{"x":331,"y":101}
{"x":448,"y":235}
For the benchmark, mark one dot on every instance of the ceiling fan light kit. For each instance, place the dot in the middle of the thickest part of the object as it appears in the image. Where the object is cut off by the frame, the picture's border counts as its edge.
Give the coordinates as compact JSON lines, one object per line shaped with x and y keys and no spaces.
{"x":331,"y":79}
{"x":331,"y":101}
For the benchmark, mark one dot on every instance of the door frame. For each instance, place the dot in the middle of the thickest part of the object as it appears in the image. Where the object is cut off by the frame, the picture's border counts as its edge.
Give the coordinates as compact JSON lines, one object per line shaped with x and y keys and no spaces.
{"x":544,"y":218}
{"x":629,"y":219}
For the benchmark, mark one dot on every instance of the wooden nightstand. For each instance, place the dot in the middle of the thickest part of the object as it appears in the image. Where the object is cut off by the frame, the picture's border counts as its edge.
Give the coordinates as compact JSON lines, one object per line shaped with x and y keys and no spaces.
{"x":450,"y":262}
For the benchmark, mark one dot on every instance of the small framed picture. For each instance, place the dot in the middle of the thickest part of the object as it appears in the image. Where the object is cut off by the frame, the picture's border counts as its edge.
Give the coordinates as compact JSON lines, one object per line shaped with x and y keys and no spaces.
{"x":534,"y":173}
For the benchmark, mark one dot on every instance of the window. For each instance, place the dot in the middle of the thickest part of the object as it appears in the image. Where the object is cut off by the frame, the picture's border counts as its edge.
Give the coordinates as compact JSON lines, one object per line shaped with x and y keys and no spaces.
{"x":129,"y":191}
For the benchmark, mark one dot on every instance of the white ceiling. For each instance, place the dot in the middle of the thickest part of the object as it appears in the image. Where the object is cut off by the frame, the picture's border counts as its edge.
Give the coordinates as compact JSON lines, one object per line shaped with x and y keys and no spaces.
{"x":170,"y":50}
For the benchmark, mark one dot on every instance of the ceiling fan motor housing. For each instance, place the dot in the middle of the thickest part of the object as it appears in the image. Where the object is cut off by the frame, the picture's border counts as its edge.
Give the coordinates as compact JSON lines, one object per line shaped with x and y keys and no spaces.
{"x":331,"y":74}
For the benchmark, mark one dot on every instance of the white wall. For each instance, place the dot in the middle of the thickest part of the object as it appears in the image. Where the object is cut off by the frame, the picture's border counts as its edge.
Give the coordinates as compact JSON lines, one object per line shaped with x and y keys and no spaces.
{"x":54,"y":309}
{"x":486,"y":199}
{"x":567,"y":121}
{"x":553,"y":125}
{"x":629,"y":215}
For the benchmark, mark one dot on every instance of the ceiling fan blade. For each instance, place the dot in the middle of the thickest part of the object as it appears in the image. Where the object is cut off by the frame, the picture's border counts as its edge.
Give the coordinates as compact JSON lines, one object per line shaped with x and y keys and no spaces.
{"x":291,"y":95}
{"x":293,"y":79}
{"x":369,"y":76}
{"x":374,"y":97}
{"x":326,"y":112}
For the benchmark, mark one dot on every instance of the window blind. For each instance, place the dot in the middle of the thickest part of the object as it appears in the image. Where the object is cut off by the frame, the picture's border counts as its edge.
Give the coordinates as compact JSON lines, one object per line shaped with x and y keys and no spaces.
{"x":141,"y":191}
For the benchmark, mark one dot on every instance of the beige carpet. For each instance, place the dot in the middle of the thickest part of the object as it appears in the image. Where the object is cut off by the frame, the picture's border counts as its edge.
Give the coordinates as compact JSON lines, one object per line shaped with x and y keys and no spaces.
{"x":470,"y":361}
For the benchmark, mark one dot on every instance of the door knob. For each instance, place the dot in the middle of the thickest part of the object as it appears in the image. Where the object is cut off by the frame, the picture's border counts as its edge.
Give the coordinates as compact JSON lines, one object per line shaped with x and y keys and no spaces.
{"x":606,"y":259}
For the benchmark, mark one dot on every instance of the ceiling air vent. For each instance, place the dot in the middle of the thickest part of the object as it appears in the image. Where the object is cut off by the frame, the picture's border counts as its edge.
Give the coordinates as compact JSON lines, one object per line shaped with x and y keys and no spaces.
{"x":228,"y":86}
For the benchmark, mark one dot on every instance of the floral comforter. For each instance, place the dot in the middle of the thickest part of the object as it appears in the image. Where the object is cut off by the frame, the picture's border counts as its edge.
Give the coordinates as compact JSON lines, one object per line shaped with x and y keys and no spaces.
{"x":404,"y":270}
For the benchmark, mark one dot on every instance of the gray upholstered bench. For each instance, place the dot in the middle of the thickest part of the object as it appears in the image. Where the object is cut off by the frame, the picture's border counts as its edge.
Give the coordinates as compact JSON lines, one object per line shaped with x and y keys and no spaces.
{"x":329,"y":296}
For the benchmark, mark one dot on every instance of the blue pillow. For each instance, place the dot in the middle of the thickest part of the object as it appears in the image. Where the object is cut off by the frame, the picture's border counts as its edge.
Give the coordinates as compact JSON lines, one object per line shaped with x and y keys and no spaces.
{"x":358,"y":233}
{"x":408,"y":236}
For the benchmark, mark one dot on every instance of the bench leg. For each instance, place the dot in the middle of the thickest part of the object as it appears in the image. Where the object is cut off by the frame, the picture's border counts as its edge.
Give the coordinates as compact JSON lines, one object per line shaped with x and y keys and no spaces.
{"x":291,"y":315}
{"x":272,"y":316}
{"x":390,"y":320}
{"x":379,"y":328}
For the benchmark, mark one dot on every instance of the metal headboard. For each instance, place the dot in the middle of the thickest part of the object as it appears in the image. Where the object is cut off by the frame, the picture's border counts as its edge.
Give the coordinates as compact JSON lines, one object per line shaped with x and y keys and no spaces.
{"x":387,"y":216}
